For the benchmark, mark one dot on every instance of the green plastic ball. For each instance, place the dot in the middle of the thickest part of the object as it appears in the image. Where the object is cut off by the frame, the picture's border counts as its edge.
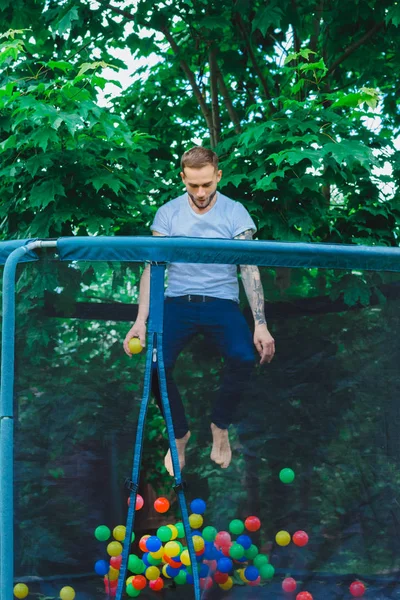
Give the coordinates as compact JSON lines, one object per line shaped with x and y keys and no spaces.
{"x":102,"y":533}
{"x":181,"y":529}
{"x":131,"y":591}
{"x":180,"y":579}
{"x":236,"y":526}
{"x":260,"y":560}
{"x":236,"y":551}
{"x":154,"y":561}
{"x":209,"y":533}
{"x":267,"y":571}
{"x":252,"y":552}
{"x":164,"y":534}
{"x":287,"y":475}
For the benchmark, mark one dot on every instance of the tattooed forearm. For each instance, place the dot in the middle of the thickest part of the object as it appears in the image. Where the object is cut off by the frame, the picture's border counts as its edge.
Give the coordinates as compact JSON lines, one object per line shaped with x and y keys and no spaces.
{"x":252,"y":284}
{"x":254,"y":292}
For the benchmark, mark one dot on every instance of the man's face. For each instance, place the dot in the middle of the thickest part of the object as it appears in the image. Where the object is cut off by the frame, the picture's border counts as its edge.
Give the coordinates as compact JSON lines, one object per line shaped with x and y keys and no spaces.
{"x":201,"y":184}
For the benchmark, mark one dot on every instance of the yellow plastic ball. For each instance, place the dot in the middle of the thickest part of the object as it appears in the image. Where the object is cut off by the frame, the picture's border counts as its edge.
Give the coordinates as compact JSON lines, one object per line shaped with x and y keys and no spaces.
{"x":282,"y":538}
{"x":152,"y":573}
{"x":174,"y":531}
{"x":227,"y":585}
{"x":135,"y":346}
{"x":185,"y":558}
{"x":21,"y":590}
{"x":159,"y":554}
{"x":130,"y":579}
{"x":172,"y":549}
{"x":113,"y":574}
{"x":198,"y":543}
{"x":196,"y":521}
{"x":67,"y":593}
{"x":119,"y":533}
{"x":164,"y":572}
{"x":114,"y":549}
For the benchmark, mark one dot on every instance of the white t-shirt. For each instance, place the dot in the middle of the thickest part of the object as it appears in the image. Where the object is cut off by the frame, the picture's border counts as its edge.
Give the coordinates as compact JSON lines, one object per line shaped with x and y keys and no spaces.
{"x":226,"y":219}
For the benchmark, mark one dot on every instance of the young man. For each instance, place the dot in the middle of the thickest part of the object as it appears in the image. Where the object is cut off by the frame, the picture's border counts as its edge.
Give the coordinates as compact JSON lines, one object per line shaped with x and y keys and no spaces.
{"x":204,"y":298}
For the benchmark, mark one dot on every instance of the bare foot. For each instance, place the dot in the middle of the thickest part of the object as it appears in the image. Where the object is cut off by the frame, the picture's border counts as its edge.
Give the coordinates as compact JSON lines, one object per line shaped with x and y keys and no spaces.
{"x":181,"y":445}
{"x":221,"y":452}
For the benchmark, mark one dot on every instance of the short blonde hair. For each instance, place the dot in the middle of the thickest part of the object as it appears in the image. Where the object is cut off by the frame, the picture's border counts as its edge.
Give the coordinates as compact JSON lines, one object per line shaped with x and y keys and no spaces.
{"x":198,"y":157}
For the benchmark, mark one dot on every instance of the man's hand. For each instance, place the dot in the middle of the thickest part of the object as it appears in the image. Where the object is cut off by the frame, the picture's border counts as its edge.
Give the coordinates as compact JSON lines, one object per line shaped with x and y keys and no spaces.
{"x":139,"y":331}
{"x":265,"y":343}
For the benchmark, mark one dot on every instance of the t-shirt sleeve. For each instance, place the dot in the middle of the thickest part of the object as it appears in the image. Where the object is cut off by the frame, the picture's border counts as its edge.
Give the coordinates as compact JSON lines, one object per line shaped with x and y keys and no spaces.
{"x":161,"y":222}
{"x":241,"y":220}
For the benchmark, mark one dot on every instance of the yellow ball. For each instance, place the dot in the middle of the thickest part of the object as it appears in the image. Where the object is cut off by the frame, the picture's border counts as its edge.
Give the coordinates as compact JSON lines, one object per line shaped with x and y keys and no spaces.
{"x":159,"y":554}
{"x":196,"y":521}
{"x":164,"y":572}
{"x":198,"y":543}
{"x":172,"y":549}
{"x":242,"y":577}
{"x":227,"y":585}
{"x":282,"y":538}
{"x":119,"y":533}
{"x":67,"y":593}
{"x":185,"y":558}
{"x":114,"y":548}
{"x":21,"y":590}
{"x":174,"y":531}
{"x":113,"y":574}
{"x":152,"y":573}
{"x":130,"y":579}
{"x":135,"y":346}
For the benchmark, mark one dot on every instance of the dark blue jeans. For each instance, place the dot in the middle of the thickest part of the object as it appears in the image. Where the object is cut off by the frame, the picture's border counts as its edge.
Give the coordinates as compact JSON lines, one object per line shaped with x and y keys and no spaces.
{"x":225,"y":326}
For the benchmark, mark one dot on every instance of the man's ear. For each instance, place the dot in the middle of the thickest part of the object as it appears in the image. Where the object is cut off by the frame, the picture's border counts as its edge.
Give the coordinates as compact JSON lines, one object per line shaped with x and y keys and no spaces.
{"x":182,"y":174}
{"x":219,"y":175}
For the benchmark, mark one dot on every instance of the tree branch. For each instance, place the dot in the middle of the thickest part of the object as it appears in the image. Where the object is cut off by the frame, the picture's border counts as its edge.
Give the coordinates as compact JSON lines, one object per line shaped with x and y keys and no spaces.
{"x":316,"y":27}
{"x":192,"y":80}
{"x":353,"y":47}
{"x":119,"y":11}
{"x":214,"y":95}
{"x":228,"y":102}
{"x":253,"y":59}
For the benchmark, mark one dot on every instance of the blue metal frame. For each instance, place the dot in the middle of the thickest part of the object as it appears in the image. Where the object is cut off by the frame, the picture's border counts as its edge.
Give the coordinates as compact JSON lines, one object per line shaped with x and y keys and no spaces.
{"x":137,"y":250}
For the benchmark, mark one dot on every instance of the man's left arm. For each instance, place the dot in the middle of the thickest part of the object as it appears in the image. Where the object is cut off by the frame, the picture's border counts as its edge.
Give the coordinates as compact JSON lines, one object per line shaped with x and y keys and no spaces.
{"x":263,"y":340}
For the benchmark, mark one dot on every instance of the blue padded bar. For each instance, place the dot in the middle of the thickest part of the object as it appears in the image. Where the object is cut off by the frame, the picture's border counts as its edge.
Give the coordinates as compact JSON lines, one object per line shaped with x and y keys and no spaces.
{"x":222,"y":251}
{"x":7,"y":247}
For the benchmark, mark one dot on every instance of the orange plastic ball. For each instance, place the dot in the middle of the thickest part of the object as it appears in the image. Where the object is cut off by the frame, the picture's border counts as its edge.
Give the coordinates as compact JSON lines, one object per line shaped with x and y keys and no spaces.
{"x":161,"y":505}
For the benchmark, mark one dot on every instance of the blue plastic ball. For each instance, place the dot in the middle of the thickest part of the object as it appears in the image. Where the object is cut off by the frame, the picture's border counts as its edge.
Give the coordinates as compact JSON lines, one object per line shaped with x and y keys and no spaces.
{"x":190,"y":579}
{"x":171,"y":571}
{"x":251,"y":573}
{"x":209,"y":551}
{"x":204,"y":570}
{"x":102,"y":567}
{"x":245,"y":541}
{"x":198,"y":506}
{"x":224,"y":565}
{"x":153,"y":543}
{"x":145,"y":559}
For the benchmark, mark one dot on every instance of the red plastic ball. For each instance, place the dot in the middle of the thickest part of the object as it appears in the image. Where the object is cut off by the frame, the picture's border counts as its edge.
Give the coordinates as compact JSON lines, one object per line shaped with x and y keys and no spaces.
{"x":157,"y":584}
{"x":304,"y":596}
{"x":206,"y":583}
{"x":255,"y":582}
{"x":225,"y":549}
{"x":223,"y":538}
{"x":220,"y":577}
{"x":161,"y":505}
{"x":142,"y":543}
{"x":357,"y":589}
{"x":139,"y":502}
{"x":300,"y":538}
{"x":289,"y":584}
{"x":172,"y":563}
{"x":139,"y":582}
{"x":115,"y":561}
{"x":252,"y":523}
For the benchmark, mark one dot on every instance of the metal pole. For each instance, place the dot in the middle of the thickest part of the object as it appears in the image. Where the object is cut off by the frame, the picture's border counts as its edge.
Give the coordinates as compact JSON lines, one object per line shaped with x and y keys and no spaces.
{"x":7,"y":419}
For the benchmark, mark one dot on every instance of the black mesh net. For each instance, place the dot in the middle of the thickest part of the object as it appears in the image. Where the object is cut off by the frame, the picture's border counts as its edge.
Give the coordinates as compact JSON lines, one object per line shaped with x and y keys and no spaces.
{"x":326,"y":408}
